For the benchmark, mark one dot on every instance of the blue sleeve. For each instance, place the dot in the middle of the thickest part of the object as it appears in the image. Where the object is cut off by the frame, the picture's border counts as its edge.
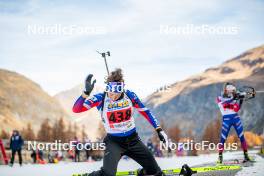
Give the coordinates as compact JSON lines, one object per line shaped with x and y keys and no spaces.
{"x":82,"y":104}
{"x":144,"y":111}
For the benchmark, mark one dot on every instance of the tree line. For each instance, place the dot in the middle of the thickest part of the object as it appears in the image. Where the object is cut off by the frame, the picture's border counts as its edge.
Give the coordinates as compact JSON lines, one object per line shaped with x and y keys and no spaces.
{"x":50,"y":132}
{"x":60,"y":131}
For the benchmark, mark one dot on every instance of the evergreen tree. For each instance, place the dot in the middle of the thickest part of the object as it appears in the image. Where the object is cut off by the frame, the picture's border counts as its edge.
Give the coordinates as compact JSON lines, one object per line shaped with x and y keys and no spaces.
{"x":4,"y":135}
{"x":84,"y":134}
{"x":174,"y":133}
{"x":28,"y":133}
{"x":55,"y":130}
{"x":61,"y":130}
{"x":45,"y":132}
{"x":69,"y":133}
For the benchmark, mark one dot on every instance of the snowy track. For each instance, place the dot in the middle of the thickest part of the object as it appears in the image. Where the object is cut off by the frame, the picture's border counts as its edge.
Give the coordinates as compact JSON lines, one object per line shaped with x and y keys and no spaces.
{"x":67,"y":169}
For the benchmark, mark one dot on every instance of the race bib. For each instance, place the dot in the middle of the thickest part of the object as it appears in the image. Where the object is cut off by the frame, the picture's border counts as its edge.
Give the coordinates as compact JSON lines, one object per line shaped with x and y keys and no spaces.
{"x":119,"y":116}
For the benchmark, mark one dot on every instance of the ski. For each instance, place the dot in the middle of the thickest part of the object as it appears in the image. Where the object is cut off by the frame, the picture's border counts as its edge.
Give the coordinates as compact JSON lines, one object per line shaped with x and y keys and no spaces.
{"x":206,"y":169}
{"x":239,"y":162}
{"x":3,"y":152}
{"x":194,"y":169}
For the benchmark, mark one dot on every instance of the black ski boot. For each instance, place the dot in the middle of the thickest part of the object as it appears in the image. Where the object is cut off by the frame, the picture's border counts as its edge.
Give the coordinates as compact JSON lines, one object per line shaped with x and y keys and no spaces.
{"x":160,"y":173}
{"x":140,"y":172}
{"x":187,"y":171}
{"x":246,"y":157}
{"x":220,"y":158}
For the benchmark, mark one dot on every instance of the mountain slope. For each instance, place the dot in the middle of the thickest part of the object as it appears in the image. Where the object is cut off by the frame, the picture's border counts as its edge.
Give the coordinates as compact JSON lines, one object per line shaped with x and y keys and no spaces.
{"x":23,"y":101}
{"x":191,"y":102}
{"x":89,"y":119}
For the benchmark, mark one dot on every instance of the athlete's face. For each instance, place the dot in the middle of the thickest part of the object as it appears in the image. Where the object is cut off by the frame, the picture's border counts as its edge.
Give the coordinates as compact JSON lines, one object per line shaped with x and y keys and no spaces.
{"x":230,"y":90}
{"x":114,"y":96}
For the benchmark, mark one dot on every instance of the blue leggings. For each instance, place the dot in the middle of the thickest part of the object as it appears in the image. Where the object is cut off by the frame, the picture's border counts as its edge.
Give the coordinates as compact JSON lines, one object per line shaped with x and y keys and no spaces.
{"x":228,"y":122}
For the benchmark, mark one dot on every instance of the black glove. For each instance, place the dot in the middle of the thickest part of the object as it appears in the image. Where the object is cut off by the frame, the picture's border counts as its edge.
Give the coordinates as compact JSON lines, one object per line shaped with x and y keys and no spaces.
{"x":239,"y":95}
{"x":162,"y":136}
{"x":89,"y":85}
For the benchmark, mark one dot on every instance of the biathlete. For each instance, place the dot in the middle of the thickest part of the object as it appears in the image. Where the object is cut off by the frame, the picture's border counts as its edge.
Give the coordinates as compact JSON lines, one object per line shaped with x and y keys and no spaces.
{"x":229,"y":104}
{"x":116,"y":106}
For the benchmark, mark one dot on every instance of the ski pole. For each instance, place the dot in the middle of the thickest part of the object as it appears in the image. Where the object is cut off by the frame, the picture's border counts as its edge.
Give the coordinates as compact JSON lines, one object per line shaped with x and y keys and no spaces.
{"x":104,"y":56}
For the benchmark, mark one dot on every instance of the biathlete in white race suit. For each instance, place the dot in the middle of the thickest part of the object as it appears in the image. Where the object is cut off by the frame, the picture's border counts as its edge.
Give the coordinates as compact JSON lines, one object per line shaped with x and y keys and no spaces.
{"x":229,"y":104}
{"x":117,"y":107}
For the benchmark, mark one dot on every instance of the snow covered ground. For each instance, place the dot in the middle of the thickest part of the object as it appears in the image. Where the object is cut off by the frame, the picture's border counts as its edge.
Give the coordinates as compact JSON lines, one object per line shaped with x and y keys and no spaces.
{"x":67,"y":169}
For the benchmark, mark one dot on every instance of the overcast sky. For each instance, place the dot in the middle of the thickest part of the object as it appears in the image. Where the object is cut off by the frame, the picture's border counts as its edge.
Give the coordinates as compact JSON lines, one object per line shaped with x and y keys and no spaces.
{"x":135,"y":33}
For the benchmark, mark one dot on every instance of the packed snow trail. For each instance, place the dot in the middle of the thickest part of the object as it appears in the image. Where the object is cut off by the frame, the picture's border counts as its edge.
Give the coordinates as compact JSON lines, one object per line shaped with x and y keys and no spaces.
{"x":67,"y":169}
